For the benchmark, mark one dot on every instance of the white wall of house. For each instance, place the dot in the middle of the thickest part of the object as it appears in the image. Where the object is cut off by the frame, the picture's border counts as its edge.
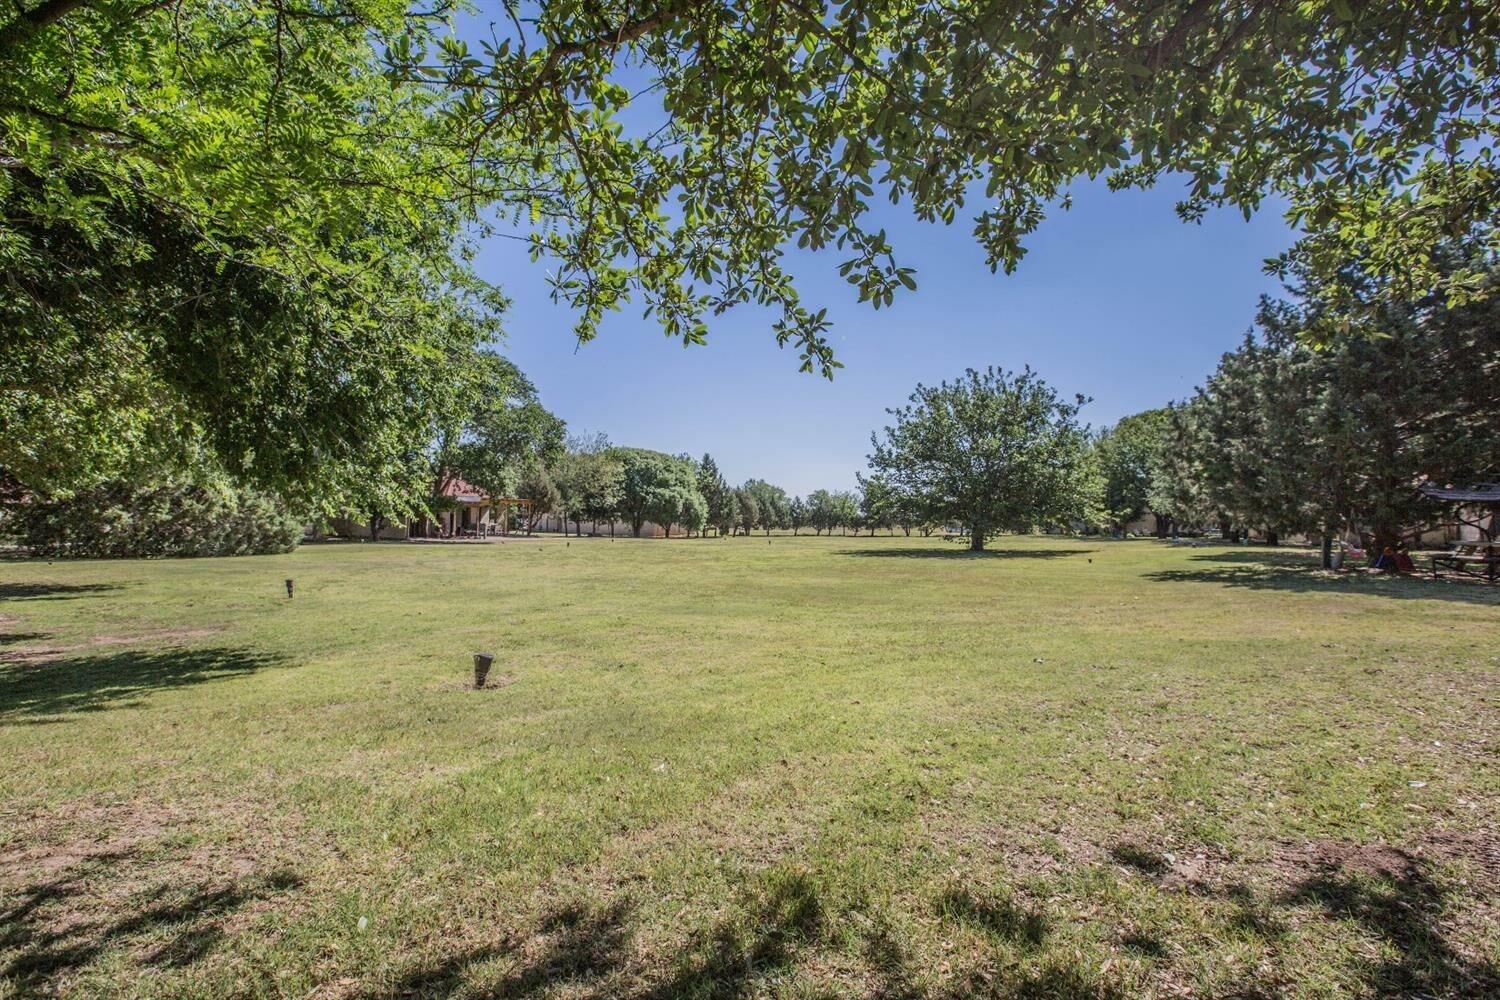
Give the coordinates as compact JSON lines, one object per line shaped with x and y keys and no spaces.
{"x":620,"y":529}
{"x":348,"y":527}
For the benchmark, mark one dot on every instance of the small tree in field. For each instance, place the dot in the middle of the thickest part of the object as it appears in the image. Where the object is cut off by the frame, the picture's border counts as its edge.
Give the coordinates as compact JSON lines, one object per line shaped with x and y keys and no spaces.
{"x":694,"y":513}
{"x":716,"y":494}
{"x":588,"y":477}
{"x":796,"y":514}
{"x":994,"y":451}
{"x":877,"y":502}
{"x":770,"y":504}
{"x":845,"y":512}
{"x":1127,"y":455}
{"x":821,"y":512}
{"x":749,"y":509}
{"x":538,"y":487}
{"x":655,"y":487}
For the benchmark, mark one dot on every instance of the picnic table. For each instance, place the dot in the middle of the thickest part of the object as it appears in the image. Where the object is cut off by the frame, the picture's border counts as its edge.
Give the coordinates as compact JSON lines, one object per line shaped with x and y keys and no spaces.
{"x":1475,"y":558}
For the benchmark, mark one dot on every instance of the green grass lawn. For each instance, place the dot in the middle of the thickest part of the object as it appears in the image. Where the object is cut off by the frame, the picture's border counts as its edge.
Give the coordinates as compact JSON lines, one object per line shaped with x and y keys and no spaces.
{"x":814,"y":767}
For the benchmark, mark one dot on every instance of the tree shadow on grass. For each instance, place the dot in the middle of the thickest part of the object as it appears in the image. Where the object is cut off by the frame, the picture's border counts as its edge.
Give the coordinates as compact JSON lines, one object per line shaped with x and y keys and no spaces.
{"x":39,"y":591}
{"x":584,"y":949}
{"x":1391,"y":893}
{"x":1405,"y":907}
{"x":760,"y":941}
{"x":900,"y":976}
{"x":37,"y":686}
{"x":964,"y":553}
{"x":52,"y":928}
{"x":22,"y":638}
{"x":994,"y":915}
{"x":1299,"y":572}
{"x":1139,"y":859}
{"x":578,"y":945}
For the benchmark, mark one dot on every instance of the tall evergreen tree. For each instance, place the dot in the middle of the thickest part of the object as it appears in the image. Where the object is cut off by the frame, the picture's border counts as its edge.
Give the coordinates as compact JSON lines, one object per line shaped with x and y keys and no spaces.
{"x":716,"y":494}
{"x":1286,"y":437}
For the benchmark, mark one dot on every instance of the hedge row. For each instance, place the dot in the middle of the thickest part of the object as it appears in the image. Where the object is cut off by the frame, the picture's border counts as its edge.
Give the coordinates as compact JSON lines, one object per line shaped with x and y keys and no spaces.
{"x":121,"y":521}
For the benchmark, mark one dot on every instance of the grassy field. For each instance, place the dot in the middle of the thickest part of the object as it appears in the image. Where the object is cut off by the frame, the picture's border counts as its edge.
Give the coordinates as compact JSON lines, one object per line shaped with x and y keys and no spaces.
{"x":808,"y":767}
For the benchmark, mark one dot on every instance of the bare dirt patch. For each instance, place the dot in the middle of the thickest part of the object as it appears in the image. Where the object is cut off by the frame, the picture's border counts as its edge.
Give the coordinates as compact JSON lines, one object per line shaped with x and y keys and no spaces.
{"x":493,"y":682}
{"x":1477,"y":852}
{"x":42,"y":654}
{"x":163,"y":883}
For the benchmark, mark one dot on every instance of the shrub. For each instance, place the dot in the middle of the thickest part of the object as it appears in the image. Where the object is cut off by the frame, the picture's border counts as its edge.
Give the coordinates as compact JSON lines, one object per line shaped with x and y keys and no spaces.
{"x":121,"y":521}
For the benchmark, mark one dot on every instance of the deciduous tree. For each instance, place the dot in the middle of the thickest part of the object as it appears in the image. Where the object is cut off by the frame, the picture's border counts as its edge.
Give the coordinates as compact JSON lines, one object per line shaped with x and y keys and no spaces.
{"x":225,"y":236}
{"x":822,"y":512}
{"x":589,"y":477}
{"x":656,"y":487}
{"x":796,"y":514}
{"x":537,"y":487}
{"x":748,"y":508}
{"x":1127,"y":454}
{"x":787,"y":124}
{"x":993,"y":450}
{"x":877,"y":502}
{"x":770,"y":504}
{"x":244,"y":227}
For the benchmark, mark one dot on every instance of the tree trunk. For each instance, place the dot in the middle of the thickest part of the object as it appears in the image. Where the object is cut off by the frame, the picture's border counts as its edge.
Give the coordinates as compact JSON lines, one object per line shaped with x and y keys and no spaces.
{"x":1272,"y":538}
{"x":976,"y":539}
{"x":1327,"y":550}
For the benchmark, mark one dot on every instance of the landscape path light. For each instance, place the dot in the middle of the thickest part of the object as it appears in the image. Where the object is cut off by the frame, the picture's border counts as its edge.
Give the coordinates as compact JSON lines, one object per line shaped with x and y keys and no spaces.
{"x":482,"y":663}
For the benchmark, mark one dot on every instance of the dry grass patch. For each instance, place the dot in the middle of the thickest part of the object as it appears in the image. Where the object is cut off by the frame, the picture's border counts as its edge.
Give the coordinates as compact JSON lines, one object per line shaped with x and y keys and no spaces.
{"x":738,"y":769}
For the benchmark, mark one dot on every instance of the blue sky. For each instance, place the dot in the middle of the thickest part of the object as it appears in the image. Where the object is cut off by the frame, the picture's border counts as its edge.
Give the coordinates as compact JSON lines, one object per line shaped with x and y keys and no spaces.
{"x":1117,"y":299}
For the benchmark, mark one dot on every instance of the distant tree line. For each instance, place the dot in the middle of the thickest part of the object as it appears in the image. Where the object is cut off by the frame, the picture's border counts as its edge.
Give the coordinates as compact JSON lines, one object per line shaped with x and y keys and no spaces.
{"x":1315,"y":425}
{"x":592,"y":481}
{"x":237,"y":240}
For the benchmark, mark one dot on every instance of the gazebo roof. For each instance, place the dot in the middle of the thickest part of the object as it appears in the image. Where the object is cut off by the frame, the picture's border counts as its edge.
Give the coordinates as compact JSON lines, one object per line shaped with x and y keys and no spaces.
{"x":1478,"y":493}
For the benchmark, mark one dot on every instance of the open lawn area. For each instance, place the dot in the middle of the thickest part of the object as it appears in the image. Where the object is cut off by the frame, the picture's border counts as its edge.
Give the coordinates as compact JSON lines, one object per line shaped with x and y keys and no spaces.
{"x":808,"y":767}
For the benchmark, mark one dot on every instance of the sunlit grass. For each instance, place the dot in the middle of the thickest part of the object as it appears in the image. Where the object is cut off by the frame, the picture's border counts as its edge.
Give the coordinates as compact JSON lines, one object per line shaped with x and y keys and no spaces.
{"x":796,"y":767}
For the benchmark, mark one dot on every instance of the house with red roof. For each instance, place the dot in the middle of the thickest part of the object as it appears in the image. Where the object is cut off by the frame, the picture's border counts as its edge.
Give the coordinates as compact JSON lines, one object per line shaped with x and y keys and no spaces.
{"x":464,"y":511}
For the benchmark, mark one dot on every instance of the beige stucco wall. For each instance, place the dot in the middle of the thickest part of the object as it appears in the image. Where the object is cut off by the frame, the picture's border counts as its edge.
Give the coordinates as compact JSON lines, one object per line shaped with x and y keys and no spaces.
{"x":551,"y":522}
